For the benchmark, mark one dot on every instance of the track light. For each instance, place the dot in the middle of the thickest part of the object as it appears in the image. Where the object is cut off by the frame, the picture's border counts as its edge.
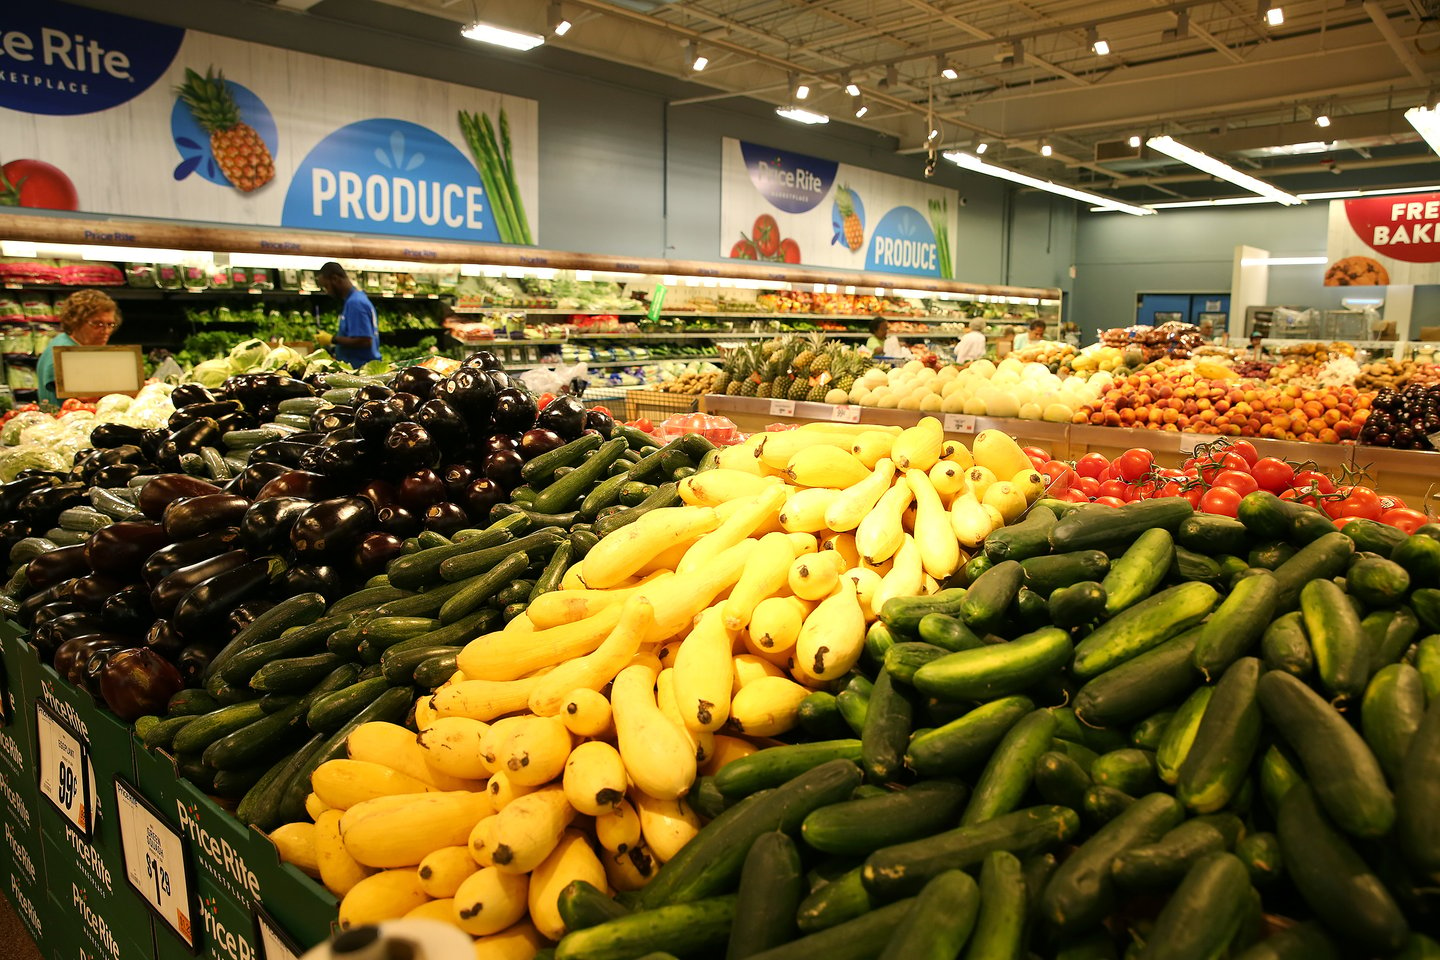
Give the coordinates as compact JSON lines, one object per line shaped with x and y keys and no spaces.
{"x":1322,"y":120}
{"x":1134,"y":141}
{"x":851,"y":87}
{"x":944,"y":69}
{"x":933,"y":134}
{"x":1045,"y":148}
{"x":1218,"y":168}
{"x":1274,"y":16}
{"x":981,"y":147}
{"x":861,"y":110}
{"x":501,"y":36}
{"x":971,"y":162}
{"x":558,"y":24}
{"x":801,"y":115}
{"x":697,"y":61}
{"x":1100,"y":47}
{"x":801,"y":89}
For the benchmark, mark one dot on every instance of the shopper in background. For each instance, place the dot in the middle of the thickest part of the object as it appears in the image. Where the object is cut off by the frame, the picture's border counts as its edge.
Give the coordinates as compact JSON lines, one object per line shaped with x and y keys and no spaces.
{"x":1257,"y":346}
{"x":358,"y":340}
{"x":1035,"y":334}
{"x":881,"y":342}
{"x":87,"y":317}
{"x":972,"y":344}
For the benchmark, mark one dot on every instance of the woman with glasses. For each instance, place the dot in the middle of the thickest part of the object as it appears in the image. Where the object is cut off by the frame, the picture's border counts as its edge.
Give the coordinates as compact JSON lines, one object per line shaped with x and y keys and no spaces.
{"x":88,"y":317}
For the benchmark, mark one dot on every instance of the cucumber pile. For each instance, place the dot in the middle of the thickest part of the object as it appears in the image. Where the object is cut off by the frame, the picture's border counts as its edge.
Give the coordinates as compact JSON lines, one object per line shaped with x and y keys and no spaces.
{"x":1134,"y":732}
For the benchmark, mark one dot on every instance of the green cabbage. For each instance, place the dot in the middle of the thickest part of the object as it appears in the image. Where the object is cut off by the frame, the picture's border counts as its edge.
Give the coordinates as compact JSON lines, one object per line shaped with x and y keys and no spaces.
{"x":283,"y":358}
{"x":30,"y":458}
{"x":248,"y":355}
{"x":211,"y":373}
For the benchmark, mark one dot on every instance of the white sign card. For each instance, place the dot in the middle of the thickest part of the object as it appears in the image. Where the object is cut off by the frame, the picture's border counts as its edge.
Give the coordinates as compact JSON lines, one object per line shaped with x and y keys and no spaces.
{"x":155,"y":862}
{"x":64,"y":769}
{"x":275,"y":943}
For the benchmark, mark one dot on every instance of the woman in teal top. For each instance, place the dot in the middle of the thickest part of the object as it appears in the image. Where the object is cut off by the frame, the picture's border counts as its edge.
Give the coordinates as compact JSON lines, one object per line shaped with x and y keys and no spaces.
{"x":87,"y":317}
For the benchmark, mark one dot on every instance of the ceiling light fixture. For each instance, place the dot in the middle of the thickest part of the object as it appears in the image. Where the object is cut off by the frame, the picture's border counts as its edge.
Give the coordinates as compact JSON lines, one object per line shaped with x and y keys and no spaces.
{"x":801,"y":115}
{"x":1045,"y":148}
{"x":1246,"y":201}
{"x":501,"y":36}
{"x":944,"y":69}
{"x":1218,"y":168}
{"x":933,"y":134}
{"x":558,"y":24}
{"x":1322,"y":120}
{"x":981,"y":147}
{"x":802,"y":91}
{"x":1134,"y":141}
{"x":1274,"y":16}
{"x":1101,"y":48}
{"x":1426,"y":122}
{"x":851,"y":87}
{"x":861,"y":110}
{"x":973,"y":163}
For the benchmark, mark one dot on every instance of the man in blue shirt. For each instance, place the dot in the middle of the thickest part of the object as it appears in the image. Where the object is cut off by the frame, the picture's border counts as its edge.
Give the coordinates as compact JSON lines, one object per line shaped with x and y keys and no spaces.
{"x":358,"y":340}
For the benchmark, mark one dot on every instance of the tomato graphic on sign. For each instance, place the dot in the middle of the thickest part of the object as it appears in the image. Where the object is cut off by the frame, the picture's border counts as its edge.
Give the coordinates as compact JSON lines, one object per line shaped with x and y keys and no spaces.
{"x":37,"y":184}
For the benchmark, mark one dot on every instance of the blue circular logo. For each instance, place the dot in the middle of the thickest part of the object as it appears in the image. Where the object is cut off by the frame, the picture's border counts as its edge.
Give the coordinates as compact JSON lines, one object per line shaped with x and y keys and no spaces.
{"x":903,"y":242}
{"x":393,"y":177}
{"x":61,"y":60}
{"x":194,"y":143}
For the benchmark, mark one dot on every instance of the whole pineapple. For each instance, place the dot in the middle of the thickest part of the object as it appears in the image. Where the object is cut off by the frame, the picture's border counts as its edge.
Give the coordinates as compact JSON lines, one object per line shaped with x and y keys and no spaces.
{"x":799,"y":389}
{"x":845,"y":374}
{"x":849,"y":219}
{"x":815,"y":343}
{"x":240,"y":153}
{"x":819,"y":389}
{"x":824,"y":359}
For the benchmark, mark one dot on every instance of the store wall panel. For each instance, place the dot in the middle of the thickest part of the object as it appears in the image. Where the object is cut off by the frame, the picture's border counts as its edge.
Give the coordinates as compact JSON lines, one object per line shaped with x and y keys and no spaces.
{"x":1041,"y":240}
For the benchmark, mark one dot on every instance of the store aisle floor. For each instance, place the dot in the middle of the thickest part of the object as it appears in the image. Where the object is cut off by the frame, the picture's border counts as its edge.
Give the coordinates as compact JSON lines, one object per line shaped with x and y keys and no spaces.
{"x":14,"y":936}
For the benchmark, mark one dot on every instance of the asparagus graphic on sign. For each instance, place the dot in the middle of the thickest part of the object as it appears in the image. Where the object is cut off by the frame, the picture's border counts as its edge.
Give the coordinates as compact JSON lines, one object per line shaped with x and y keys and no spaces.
{"x":497,"y":171}
{"x":940,"y":223}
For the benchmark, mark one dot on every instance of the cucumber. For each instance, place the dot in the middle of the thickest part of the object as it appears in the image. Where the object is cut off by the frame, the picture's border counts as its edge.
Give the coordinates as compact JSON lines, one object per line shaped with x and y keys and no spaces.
{"x":1162,"y":864}
{"x":842,"y":899}
{"x":1212,"y":535}
{"x":1097,"y":740}
{"x":1205,"y":912}
{"x":1420,"y":556}
{"x":1304,"y":941}
{"x":161,"y":735}
{"x":541,"y":543}
{"x":1342,"y":659}
{"x":996,"y":671}
{"x":1020,"y":541}
{"x":1077,"y":605}
{"x":1346,"y":776}
{"x":681,"y":929}
{"x":939,"y":922}
{"x":566,"y":492}
{"x":1278,"y":774}
{"x":964,"y":744}
{"x":1427,"y":661}
{"x":1236,"y":624}
{"x":1334,"y":881}
{"x":1388,"y":634}
{"x":1140,"y":686}
{"x":859,"y":939}
{"x":1418,"y":831}
{"x":1390,"y":714}
{"x":1320,"y":559}
{"x":203,"y":731}
{"x":192,"y":701}
{"x":771,"y":886}
{"x":1148,"y":733}
{"x":992,"y":593}
{"x":1103,"y":804}
{"x":1129,"y":770}
{"x":540,"y":468}
{"x":1061,"y":779}
{"x":1374,"y":537}
{"x":904,"y":868}
{"x":1081,"y":894}
{"x":903,"y":614}
{"x":582,"y":906}
{"x":296,"y":611}
{"x":1285,"y":647}
{"x":1138,"y":571}
{"x":294,"y":674}
{"x":778,"y":765}
{"x":293,"y":642}
{"x":1047,"y":574}
{"x":887,"y":729}
{"x":1260,"y":852}
{"x":820,"y":717}
{"x":1010,"y":769}
{"x":84,"y":519}
{"x":1269,"y":556}
{"x":422,"y":568}
{"x":1180,"y":733}
{"x":1145,"y":625}
{"x":1099,"y":529}
{"x":1225,"y":741}
{"x":478,"y":589}
{"x":947,"y":631}
{"x":879,"y":638}
{"x":902,"y":660}
{"x":1376,"y":582}
{"x":859,"y":827}
{"x":713,"y":858}
{"x":973,"y":567}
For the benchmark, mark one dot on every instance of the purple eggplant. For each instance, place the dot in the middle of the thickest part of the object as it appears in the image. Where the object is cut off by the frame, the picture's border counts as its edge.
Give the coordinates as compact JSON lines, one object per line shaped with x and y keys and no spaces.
{"x":168,"y":593}
{"x":163,"y":639}
{"x":127,"y":610}
{"x":374,"y":418}
{"x":195,"y":516}
{"x":138,"y":681}
{"x":409,"y":446}
{"x":420,"y":489}
{"x":268,"y":522}
{"x":167,"y":559}
{"x":397,"y":521}
{"x":373,"y":391}
{"x":482,"y":494}
{"x":564,"y":415}
{"x":56,"y":566}
{"x":538,"y":440}
{"x":201,"y":613}
{"x":318,"y":578}
{"x":244,"y":615}
{"x":602,"y":423}
{"x":515,"y":411}
{"x":446,"y":518}
{"x":159,"y":493}
{"x":503,"y":466}
{"x":330,"y":529}
{"x":376,"y":550}
{"x":470,"y":392}
{"x":297,"y":483}
{"x":457,"y":477}
{"x":250,"y":481}
{"x":444,"y":423}
{"x":421,"y":381}
{"x":72,"y":654}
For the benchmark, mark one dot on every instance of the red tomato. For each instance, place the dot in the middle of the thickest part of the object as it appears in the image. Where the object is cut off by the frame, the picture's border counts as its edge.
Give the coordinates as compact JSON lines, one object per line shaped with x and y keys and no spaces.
{"x":1033,"y":452}
{"x":1244,"y":449}
{"x":1404,"y":518}
{"x":789,"y":251}
{"x":600,"y":408}
{"x":767,"y":235}
{"x":1110,"y":501}
{"x":1209,"y":467}
{"x":1114,"y":488}
{"x":1091,"y":465}
{"x":1314,"y":478}
{"x":1357,"y":502}
{"x":643,"y":424}
{"x":1133,"y":464}
{"x":1272,"y":474}
{"x":1388,"y":502}
{"x":1306,"y":495}
{"x":743,"y":249}
{"x":1088,"y":486}
{"x":1238,"y":480}
{"x":1060,"y":477}
{"x":1038,"y":462}
{"x":1221,"y":500}
{"x":544,"y":401}
{"x":1074,"y":496}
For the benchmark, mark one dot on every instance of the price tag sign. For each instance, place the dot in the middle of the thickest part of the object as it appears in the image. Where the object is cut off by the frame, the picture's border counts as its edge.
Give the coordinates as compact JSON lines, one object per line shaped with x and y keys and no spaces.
{"x":845,"y":413}
{"x":64,"y":769}
{"x":782,"y":408}
{"x":274,"y":943}
{"x":959,"y":423}
{"x":155,"y":862}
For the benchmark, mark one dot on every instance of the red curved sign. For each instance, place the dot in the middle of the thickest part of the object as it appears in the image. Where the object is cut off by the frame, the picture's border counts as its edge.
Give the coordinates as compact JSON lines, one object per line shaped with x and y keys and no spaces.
{"x":1403,"y":228}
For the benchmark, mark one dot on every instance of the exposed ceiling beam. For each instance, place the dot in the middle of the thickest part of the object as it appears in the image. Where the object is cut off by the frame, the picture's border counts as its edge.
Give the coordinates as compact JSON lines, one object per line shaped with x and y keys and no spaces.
{"x":982,"y":34}
{"x":1387,"y":30}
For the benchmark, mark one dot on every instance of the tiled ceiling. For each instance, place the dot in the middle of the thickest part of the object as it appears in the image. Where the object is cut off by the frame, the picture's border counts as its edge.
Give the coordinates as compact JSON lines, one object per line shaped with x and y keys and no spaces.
{"x":1215,"y":75}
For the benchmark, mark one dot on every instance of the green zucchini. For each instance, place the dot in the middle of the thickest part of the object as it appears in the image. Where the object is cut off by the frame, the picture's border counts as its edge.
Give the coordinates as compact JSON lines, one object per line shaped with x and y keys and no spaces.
{"x":777,"y":765}
{"x":1130,"y":770}
{"x":664,"y":495}
{"x":990,"y":596}
{"x":192,"y":701}
{"x":296,"y":611}
{"x":994,"y":671}
{"x":161,"y":735}
{"x":1418,"y":797}
{"x":481,"y":587}
{"x":1269,"y":556}
{"x":540,"y":543}
{"x":1420,"y":556}
{"x":295,"y":641}
{"x":1342,"y":659}
{"x":1388,"y":634}
{"x":940,"y":920}
{"x":205,"y":730}
{"x":1236,"y":625}
{"x":1180,"y":734}
{"x":402,"y":666}
{"x":564,"y":493}
{"x":1285,"y":647}
{"x":1390,"y":714}
{"x":1278,"y":775}
{"x":550,"y":577}
{"x":771,"y":888}
{"x":422,"y":568}
{"x":436,"y":669}
{"x":1148,"y":733}
{"x":294,"y":674}
{"x":964,"y":744}
{"x":679,"y":929}
{"x":1143,"y":626}
{"x":1103,"y":804}
{"x":1008,"y":773}
{"x":1225,"y":741}
{"x":887,"y":729}
{"x":1346,"y":776}
{"x":541,"y":468}
{"x":1139,"y":570}
{"x":1427,"y":661}
{"x":1140,"y":686}
{"x":1199,"y":920}
{"x":1047,"y":574}
{"x":858,"y":827}
{"x":604,"y":494}
{"x":820,"y":718}
{"x":1374,"y":537}
{"x":367,"y":599}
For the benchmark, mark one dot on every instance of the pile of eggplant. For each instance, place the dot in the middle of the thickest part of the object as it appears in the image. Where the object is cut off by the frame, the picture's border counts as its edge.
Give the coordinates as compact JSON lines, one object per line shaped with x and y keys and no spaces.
{"x":135,"y":568}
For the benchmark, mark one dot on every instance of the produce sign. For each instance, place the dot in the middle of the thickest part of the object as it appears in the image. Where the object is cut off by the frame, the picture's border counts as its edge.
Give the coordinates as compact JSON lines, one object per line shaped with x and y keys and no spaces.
{"x":1375,"y":241}
{"x":792,"y":208}
{"x":220,"y":130}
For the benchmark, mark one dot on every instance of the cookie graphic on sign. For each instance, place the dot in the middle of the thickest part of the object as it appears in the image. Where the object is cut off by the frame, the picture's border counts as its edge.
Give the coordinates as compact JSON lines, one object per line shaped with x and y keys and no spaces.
{"x":1357,"y":272}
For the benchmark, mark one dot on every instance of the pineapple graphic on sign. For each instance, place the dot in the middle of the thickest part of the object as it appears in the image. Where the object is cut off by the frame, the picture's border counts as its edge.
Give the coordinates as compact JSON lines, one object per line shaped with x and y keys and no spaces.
{"x":850,"y":228}
{"x":239,"y":152}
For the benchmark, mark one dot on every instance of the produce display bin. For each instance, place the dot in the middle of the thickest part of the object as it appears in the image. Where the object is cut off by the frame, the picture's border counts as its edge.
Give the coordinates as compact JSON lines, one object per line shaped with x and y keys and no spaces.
{"x":22,"y":861}
{"x":657,"y":404}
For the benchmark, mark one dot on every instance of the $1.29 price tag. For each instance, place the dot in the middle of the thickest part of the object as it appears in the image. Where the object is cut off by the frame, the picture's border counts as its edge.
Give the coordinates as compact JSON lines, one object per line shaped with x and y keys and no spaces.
{"x":155,"y":862}
{"x":64,"y":769}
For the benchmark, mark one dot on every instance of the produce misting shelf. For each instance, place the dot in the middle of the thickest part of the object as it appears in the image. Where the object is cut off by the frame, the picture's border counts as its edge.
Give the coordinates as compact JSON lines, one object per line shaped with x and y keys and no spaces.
{"x":1406,"y":473}
{"x":707,"y":314}
{"x":156,"y":293}
{"x":641,"y":362}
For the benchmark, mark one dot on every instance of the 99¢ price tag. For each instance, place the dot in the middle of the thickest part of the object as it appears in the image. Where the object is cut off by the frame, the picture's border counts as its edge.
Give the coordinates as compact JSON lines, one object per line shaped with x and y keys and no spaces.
{"x":155,"y":862}
{"x":64,"y":769}
{"x":844,"y":413}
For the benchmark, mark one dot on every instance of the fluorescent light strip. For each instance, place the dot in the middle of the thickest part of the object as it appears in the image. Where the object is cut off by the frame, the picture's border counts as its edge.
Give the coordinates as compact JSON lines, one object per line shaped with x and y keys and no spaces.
{"x":1218,"y":168}
{"x":800,"y":115}
{"x":1307,"y":197}
{"x":1426,"y":123}
{"x":1283,"y":261}
{"x":969,"y":161}
{"x":501,"y":36}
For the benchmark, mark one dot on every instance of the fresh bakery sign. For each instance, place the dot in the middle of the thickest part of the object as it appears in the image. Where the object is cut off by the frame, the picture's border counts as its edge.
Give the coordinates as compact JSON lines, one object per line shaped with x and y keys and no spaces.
{"x":1375,"y":241}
